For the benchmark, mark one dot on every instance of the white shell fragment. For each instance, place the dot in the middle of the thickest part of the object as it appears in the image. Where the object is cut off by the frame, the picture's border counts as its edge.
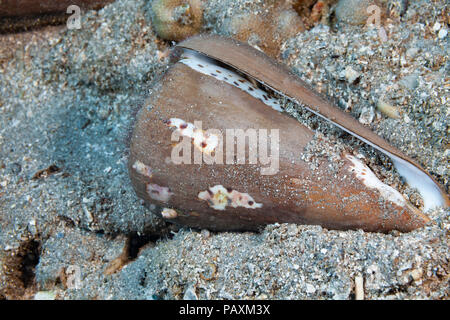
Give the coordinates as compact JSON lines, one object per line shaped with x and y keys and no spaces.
{"x":370,"y":180}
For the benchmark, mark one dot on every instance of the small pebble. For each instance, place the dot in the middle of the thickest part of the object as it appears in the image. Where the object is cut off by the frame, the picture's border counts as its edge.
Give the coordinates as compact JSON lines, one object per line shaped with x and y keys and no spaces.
{"x":367,"y":115}
{"x":359,"y":288}
{"x":351,"y":75}
{"x":45,"y":295}
{"x":8,"y":247}
{"x":205,"y":233}
{"x":406,"y":119}
{"x":32,"y":227}
{"x":416,"y":274}
{"x":436,"y":26}
{"x":310,"y":289}
{"x":190,"y":294}
{"x":103,"y":113}
{"x":442,"y":33}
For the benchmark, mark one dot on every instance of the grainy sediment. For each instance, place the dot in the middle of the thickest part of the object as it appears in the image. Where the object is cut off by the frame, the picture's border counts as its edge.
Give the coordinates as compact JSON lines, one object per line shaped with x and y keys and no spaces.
{"x":67,"y":102}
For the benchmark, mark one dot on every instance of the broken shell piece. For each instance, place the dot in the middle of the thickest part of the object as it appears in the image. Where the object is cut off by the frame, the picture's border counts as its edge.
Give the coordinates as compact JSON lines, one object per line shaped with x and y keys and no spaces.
{"x":230,"y":194}
{"x":367,"y":115}
{"x":351,"y":75}
{"x":370,"y":180}
{"x":388,"y":110}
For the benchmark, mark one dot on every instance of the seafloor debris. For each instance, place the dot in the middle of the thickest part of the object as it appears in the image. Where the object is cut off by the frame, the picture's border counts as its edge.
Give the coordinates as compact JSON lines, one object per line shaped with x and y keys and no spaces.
{"x":177,"y":19}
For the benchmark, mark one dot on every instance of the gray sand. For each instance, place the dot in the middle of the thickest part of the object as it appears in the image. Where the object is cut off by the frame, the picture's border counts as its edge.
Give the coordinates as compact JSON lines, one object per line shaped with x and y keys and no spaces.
{"x":67,"y":102}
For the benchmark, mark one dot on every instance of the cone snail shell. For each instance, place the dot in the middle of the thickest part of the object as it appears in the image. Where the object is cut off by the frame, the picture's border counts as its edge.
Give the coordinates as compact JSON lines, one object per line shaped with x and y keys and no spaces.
{"x":186,"y":153}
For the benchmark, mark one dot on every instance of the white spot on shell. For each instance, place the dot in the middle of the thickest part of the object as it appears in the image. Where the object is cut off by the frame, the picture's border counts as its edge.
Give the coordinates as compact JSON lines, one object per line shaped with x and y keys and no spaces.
{"x":209,"y":67}
{"x":168,"y":213}
{"x":142,"y":169}
{"x":159,"y":193}
{"x":219,"y":198}
{"x":370,"y":180}
{"x":204,"y":141}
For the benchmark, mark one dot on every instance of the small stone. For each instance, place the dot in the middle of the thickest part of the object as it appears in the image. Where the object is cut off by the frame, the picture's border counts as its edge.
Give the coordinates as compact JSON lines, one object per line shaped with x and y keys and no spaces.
{"x":190,"y":294}
{"x":45,"y":295}
{"x":8,"y":247}
{"x":87,"y":214}
{"x":406,"y":119}
{"x":359,"y":287}
{"x":351,"y":75}
{"x":205,"y":233}
{"x":436,"y":26}
{"x":439,"y":125}
{"x":410,"y":13}
{"x":442,"y":33}
{"x":367,"y":115}
{"x":416,"y":274}
{"x":310,"y":289}
{"x":87,"y":200}
{"x":292,"y":230}
{"x":103,"y":113}
{"x":32,"y":227}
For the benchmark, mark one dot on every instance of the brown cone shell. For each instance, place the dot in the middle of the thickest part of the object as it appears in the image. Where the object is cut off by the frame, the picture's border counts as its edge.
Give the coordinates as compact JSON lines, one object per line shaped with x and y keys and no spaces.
{"x":296,"y":194}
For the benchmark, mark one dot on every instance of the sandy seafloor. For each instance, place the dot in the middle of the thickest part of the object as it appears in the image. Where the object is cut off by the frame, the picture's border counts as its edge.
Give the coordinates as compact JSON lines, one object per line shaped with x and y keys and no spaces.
{"x":67,"y":101}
